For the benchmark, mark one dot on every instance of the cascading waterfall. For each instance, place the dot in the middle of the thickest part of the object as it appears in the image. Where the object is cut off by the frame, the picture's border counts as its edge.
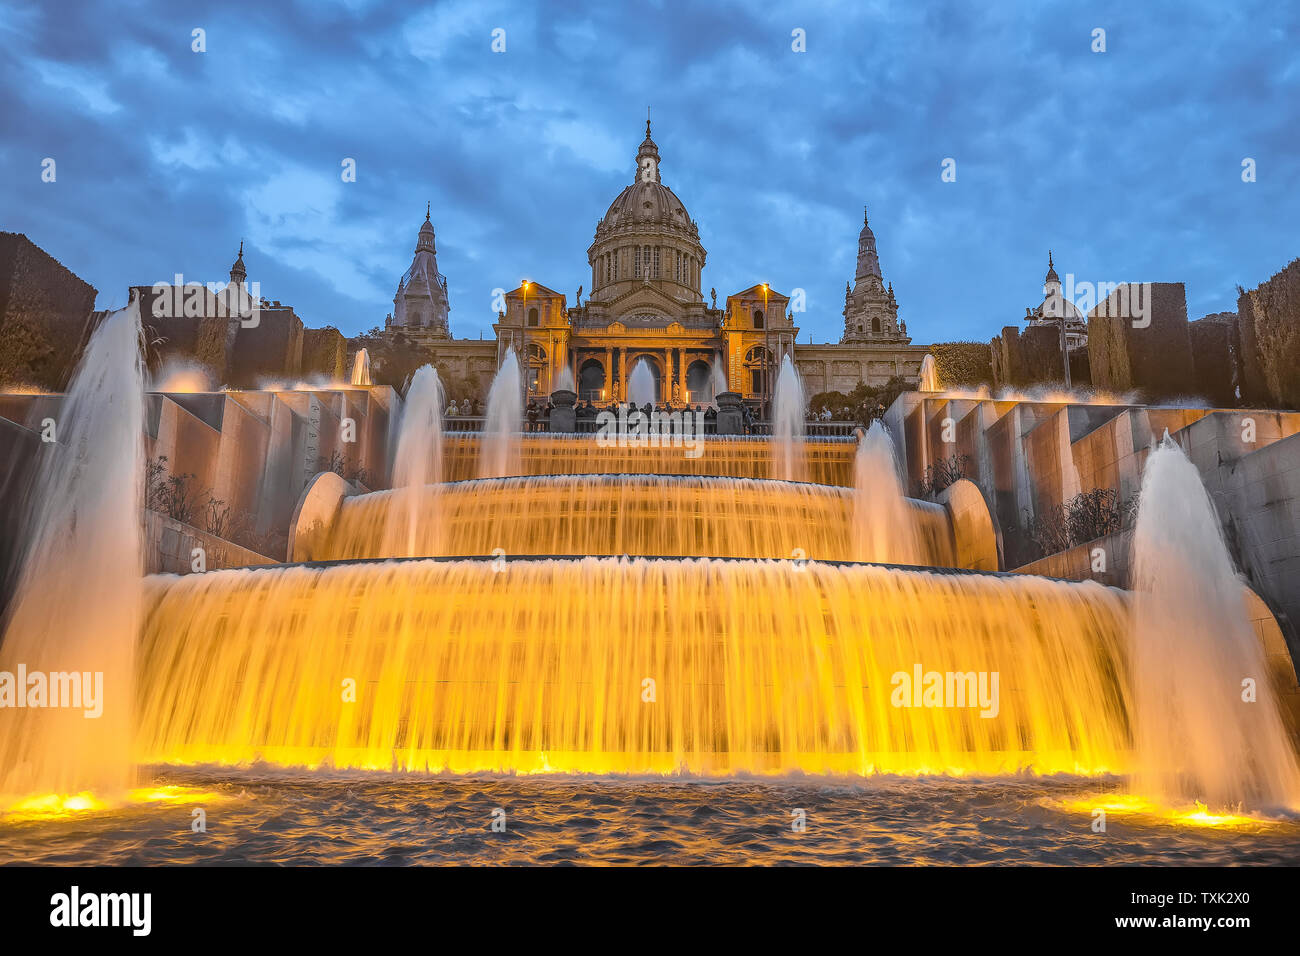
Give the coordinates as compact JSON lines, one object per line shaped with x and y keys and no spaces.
{"x":788,"y":407}
{"x":1196,"y":736}
{"x":504,"y":421}
{"x":417,"y":468}
{"x":361,"y":368}
{"x":639,"y":515}
{"x":641,"y":385}
{"x":608,"y":665}
{"x":826,"y":461}
{"x":77,"y":608}
{"x":884,"y":529}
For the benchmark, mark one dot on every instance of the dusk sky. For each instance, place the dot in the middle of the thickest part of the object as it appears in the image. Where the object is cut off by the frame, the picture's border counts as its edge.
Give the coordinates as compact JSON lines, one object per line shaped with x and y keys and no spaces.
{"x":1126,"y":163}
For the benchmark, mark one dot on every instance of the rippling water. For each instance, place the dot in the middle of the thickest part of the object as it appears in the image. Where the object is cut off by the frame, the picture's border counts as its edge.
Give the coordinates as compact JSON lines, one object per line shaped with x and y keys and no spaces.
{"x":278,"y":817}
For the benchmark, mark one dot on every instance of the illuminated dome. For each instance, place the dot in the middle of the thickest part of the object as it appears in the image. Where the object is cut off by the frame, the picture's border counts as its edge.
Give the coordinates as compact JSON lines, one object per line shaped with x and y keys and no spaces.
{"x":647,"y":223}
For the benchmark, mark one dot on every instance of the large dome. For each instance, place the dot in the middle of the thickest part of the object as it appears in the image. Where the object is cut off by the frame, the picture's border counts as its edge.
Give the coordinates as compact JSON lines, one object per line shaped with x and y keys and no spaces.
{"x":645,"y":202}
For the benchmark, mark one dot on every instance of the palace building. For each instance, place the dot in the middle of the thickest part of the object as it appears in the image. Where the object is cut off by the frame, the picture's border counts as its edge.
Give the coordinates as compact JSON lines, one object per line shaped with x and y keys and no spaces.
{"x":647,"y":302}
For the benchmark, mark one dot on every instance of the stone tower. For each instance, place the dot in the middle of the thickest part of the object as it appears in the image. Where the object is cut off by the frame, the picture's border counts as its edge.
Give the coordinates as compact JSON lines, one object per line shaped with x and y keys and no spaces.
{"x":870,"y":310}
{"x":420,"y":305}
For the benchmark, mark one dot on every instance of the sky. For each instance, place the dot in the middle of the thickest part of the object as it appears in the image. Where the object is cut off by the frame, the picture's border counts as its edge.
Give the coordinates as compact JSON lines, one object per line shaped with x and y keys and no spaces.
{"x":1127,"y":163}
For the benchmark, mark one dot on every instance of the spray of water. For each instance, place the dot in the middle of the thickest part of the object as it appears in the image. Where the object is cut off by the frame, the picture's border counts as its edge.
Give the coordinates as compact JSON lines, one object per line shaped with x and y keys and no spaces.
{"x":361,"y":368}
{"x":504,"y":421}
{"x":717,"y":377}
{"x":884,"y":528}
{"x":788,"y":405}
{"x":1196,"y":736}
{"x":564,"y":380}
{"x":929,"y":375}
{"x":77,"y":607}
{"x":417,"y":464}
{"x":641,"y":384}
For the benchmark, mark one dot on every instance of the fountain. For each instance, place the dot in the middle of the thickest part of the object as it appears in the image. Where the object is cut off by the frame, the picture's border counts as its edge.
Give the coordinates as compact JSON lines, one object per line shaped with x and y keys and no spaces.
{"x":929,"y":375}
{"x":564,"y":380}
{"x":717,"y":378}
{"x":541,"y":665}
{"x":1197,"y":737}
{"x":641,"y":390}
{"x":656,"y":515}
{"x":361,"y":368}
{"x":504,"y":421}
{"x":788,"y":408}
{"x":884,"y":529}
{"x":76,"y":612}
{"x":417,"y":465}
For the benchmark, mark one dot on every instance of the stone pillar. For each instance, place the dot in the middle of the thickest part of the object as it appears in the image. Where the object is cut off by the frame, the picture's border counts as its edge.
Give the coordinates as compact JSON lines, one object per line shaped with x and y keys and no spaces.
{"x":622,"y":375}
{"x":731,"y":420}
{"x":609,"y":373}
{"x":564,"y":418}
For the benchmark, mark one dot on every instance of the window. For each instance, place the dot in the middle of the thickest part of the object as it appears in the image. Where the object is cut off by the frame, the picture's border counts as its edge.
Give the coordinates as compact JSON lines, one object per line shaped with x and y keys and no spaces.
{"x":758,"y":318}
{"x":656,"y":272}
{"x":532,"y":316}
{"x":875,"y":323}
{"x":636,"y":262}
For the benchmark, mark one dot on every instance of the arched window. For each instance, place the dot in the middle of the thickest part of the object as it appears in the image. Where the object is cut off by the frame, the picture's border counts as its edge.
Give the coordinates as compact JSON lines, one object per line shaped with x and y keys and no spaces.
{"x":536,"y":354}
{"x":875,"y":323}
{"x":758,"y":318}
{"x":532,"y":316}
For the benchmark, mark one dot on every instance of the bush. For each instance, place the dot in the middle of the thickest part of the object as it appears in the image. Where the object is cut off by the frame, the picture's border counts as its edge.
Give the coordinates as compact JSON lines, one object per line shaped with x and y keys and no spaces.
{"x":942,"y":474}
{"x":963,"y":363}
{"x":1085,"y":517}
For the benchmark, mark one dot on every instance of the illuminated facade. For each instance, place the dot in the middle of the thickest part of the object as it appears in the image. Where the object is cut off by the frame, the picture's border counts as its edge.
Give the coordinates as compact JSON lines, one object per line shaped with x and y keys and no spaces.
{"x":647,"y":302}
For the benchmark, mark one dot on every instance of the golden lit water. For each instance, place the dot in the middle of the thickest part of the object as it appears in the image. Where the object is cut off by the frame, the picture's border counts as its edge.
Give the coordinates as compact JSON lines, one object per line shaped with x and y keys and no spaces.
{"x":824,"y":461}
{"x":624,"y":514}
{"x":643,"y":666}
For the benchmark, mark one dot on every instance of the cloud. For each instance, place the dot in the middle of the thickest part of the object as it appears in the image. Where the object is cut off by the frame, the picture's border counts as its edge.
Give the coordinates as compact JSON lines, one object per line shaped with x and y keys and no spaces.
{"x":1126,"y":163}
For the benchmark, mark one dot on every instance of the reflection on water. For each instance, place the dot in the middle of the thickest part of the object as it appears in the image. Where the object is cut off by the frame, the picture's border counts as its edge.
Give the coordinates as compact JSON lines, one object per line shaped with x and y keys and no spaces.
{"x":269,"y":816}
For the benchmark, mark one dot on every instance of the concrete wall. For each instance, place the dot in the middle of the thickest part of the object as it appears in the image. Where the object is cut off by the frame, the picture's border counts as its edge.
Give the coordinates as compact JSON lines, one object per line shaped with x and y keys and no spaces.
{"x":1155,"y":359}
{"x":45,"y":316}
{"x":1270,"y":340}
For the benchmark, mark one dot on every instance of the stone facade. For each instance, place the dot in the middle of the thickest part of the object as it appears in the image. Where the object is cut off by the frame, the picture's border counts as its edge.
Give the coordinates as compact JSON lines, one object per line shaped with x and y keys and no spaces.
{"x":647,"y":303}
{"x":45,"y":316}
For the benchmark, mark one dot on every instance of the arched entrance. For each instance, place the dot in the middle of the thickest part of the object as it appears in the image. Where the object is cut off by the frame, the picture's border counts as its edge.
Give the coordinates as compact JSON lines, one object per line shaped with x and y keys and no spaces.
{"x":591,"y":381}
{"x":698,"y":382}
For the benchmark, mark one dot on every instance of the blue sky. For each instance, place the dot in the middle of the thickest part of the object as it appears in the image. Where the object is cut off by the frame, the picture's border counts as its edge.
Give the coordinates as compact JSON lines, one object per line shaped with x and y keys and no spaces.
{"x":1126,"y":163}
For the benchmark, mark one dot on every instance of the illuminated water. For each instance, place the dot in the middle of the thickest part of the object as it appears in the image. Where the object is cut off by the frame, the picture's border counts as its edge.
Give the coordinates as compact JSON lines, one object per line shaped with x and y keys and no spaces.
{"x":884,"y":528}
{"x":644,"y":515}
{"x":77,"y":604}
{"x":361,"y":368}
{"x":788,"y":409}
{"x":532,"y":666}
{"x":640,"y":710}
{"x":1196,"y":737}
{"x":417,"y":466}
{"x":499,"y":452}
{"x":293,"y":818}
{"x":641,"y":389}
